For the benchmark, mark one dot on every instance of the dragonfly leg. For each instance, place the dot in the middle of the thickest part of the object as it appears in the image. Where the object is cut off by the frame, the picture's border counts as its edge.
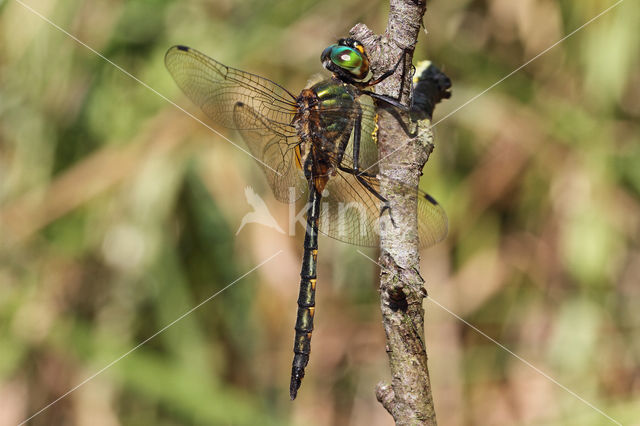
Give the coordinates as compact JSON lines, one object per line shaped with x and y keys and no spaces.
{"x":357,"y":173}
{"x":360,"y":176}
{"x":387,"y":73}
{"x":357,"y":127}
{"x":394,"y":110}
{"x":394,"y":107}
{"x":372,"y":82}
{"x":385,"y":203}
{"x":390,"y":100}
{"x":386,"y":206}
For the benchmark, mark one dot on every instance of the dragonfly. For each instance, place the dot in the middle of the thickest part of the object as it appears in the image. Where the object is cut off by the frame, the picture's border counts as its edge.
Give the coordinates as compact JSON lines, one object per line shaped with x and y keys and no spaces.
{"x":319,"y":145}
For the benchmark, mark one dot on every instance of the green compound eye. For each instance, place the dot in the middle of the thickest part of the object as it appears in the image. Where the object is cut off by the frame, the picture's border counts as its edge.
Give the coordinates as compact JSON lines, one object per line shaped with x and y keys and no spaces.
{"x":346,"y":57}
{"x":347,"y":60}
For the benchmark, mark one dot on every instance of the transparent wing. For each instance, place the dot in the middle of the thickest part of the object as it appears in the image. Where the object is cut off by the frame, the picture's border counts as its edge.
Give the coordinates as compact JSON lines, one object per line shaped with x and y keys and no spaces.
{"x":258,"y":108}
{"x":351,"y":209}
{"x":351,"y":212}
{"x":285,"y":176}
{"x":217,"y":88}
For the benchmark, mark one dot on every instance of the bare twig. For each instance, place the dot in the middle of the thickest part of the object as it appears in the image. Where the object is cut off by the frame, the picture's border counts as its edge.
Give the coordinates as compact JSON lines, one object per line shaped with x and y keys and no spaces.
{"x":408,"y":398}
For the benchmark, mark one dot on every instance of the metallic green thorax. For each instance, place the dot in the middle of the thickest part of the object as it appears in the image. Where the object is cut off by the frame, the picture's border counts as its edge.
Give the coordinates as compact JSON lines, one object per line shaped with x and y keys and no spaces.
{"x":324,"y":121}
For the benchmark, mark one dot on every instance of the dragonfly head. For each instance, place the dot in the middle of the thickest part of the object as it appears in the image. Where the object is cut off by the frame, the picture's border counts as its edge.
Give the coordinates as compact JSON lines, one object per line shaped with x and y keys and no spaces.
{"x":347,"y":59}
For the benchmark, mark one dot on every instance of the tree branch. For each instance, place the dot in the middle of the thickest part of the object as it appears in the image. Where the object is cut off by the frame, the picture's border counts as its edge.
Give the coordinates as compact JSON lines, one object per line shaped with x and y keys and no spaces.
{"x":408,"y":399}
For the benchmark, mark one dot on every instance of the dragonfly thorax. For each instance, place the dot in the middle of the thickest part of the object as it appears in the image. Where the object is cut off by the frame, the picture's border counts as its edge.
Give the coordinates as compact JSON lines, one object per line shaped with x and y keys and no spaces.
{"x":324,"y":122}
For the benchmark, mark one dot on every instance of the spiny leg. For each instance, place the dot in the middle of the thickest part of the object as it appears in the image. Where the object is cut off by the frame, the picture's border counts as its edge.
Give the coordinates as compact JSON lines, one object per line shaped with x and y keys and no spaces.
{"x":394,"y":108}
{"x":355,"y":171}
{"x":357,"y":129}
{"x":360,"y":177}
{"x":372,"y":82}
{"x":387,"y":73}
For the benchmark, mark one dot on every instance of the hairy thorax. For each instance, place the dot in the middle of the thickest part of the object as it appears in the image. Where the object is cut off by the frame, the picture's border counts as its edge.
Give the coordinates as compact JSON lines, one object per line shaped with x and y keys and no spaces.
{"x":324,"y":123}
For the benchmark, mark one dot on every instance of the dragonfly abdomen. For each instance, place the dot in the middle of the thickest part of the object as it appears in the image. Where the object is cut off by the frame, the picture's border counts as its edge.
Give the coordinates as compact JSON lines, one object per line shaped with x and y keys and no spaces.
{"x":307,"y":295}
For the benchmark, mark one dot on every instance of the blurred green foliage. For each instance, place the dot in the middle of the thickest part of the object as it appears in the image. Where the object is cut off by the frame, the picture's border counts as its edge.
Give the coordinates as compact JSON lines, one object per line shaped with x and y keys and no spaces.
{"x":119,"y":212}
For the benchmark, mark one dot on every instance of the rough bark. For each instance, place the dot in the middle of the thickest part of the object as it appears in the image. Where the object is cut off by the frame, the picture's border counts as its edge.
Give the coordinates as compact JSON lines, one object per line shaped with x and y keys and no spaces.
{"x":408,"y":398}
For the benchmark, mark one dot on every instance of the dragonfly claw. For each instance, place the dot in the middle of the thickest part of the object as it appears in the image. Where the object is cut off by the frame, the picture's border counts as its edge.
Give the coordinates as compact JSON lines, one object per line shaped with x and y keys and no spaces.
{"x":385,"y":207}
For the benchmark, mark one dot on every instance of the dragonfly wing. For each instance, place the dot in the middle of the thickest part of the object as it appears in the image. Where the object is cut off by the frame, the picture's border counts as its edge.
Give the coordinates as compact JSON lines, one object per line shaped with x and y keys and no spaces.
{"x":261,"y":111}
{"x":275,"y":149}
{"x":433,"y":224}
{"x":217,"y":88}
{"x":351,"y":211}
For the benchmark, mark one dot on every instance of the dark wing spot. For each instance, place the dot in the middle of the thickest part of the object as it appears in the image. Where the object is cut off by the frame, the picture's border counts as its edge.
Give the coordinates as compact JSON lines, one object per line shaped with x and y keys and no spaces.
{"x":183,"y":48}
{"x":239,"y":104}
{"x":430,"y":199}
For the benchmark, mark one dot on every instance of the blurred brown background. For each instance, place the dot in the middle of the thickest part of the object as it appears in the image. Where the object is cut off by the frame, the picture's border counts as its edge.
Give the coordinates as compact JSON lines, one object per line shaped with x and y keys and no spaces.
{"x":119,"y":212}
